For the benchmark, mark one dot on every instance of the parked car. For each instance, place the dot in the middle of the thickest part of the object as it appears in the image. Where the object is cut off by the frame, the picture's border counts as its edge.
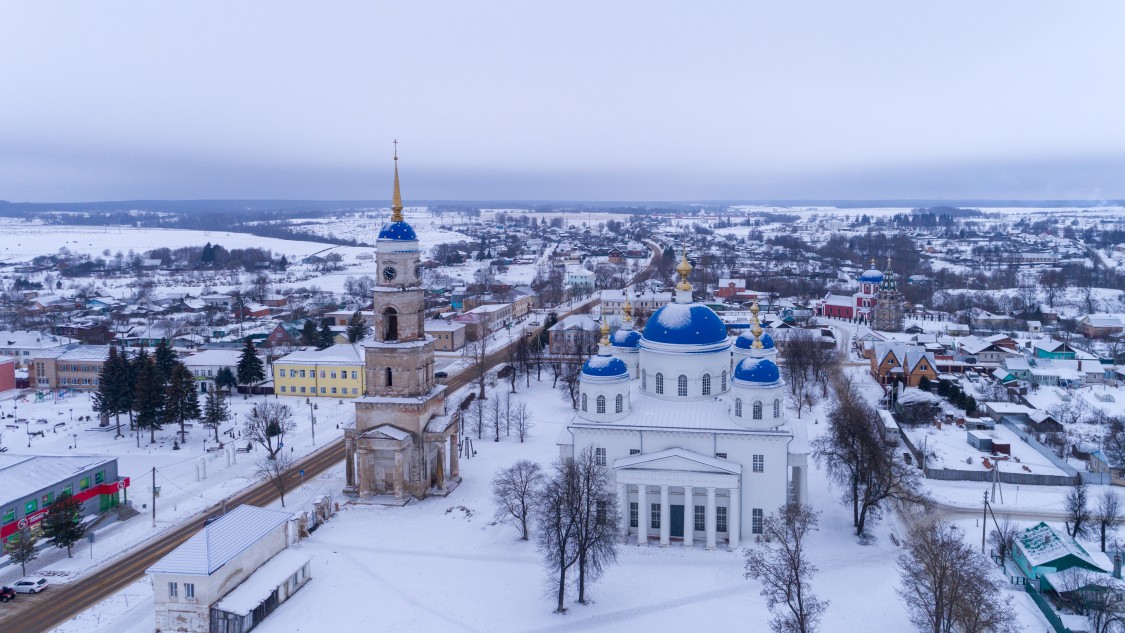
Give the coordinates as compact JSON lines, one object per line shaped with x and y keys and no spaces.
{"x":440,"y":374}
{"x":30,"y":584}
{"x":7,"y":593}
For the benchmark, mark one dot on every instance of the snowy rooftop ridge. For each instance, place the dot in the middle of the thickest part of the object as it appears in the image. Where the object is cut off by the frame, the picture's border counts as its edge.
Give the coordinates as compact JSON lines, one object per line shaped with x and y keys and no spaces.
{"x":1042,"y":544}
{"x":217,"y":544}
{"x":22,"y":475}
{"x":257,"y":588}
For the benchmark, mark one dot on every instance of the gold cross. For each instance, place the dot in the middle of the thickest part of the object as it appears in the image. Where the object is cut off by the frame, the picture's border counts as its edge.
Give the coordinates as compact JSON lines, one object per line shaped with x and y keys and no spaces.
{"x":396,"y":149}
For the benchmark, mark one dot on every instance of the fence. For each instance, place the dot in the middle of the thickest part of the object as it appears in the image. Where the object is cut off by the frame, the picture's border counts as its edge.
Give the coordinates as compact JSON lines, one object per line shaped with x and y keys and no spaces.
{"x":1024,"y":479}
{"x":1047,"y":609}
{"x":1086,"y":475}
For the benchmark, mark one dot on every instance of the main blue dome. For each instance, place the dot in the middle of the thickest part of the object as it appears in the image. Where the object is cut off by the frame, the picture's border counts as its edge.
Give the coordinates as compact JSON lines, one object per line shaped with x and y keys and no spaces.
{"x":757,"y":370}
{"x":872,"y":276}
{"x":685,"y":324}
{"x":746,"y":340}
{"x":626,"y":338}
{"x":605,"y":366}
{"x":398,"y":231}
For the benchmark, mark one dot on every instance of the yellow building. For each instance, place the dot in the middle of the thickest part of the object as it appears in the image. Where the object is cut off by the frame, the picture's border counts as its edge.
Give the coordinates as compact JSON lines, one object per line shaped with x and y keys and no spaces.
{"x":336,"y":371}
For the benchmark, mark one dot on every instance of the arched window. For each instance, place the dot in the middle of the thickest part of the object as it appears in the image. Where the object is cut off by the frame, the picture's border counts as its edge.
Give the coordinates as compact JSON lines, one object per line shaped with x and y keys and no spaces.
{"x":681,"y":386}
{"x":659,"y":383}
{"x":583,"y":402}
{"x":777,"y":408}
{"x":644,"y":380}
{"x":390,"y":324}
{"x":738,"y":407}
{"x":757,"y":410}
{"x":620,"y":403}
{"x":390,"y":381}
{"x":706,"y":384}
{"x":601,"y":404}
{"x":723,"y":385}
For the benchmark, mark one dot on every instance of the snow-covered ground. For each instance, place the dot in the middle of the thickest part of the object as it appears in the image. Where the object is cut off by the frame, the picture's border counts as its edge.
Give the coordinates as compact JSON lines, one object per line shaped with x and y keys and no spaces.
{"x":948,"y":447}
{"x":444,"y":564}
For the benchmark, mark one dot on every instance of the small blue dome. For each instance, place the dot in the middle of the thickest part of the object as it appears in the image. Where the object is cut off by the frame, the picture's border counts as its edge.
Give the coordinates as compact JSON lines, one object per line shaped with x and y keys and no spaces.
{"x":767,"y":341}
{"x":605,"y":366}
{"x":872,"y":276}
{"x":685,"y":324}
{"x":626,"y":338}
{"x":399,"y":231}
{"x":746,"y":341}
{"x":757,"y":370}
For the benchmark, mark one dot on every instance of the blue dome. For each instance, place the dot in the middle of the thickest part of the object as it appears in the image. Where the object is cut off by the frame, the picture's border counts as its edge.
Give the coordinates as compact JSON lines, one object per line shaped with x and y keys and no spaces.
{"x":767,"y":341}
{"x":606,"y":366}
{"x":872,"y":276}
{"x":685,"y":324}
{"x":757,"y":370}
{"x":399,"y":231}
{"x":746,"y":340}
{"x":626,"y":338}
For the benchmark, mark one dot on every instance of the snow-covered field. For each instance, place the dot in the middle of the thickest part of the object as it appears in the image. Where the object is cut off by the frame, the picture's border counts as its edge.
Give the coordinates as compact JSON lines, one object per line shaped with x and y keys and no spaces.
{"x":444,"y":564}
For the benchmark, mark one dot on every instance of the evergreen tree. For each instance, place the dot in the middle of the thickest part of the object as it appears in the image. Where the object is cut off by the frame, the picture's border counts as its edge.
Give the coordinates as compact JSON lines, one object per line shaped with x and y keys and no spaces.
{"x":134,"y":372}
{"x":63,"y":523}
{"x":110,"y":398}
{"x":283,"y":263}
{"x":207,"y":257}
{"x":309,"y":336}
{"x":357,"y":327}
{"x":215,"y":411}
{"x":148,"y":401}
{"x":181,"y":401}
{"x":326,"y":338}
{"x":250,"y":369}
{"x":165,"y":360}
{"x":224,"y":379}
{"x":22,"y":549}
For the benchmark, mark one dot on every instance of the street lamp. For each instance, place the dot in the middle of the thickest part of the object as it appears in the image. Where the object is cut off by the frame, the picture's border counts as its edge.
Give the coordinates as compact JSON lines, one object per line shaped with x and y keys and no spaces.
{"x":72,"y":416}
{"x":75,"y":440}
{"x":27,"y":427}
{"x":312,"y":424}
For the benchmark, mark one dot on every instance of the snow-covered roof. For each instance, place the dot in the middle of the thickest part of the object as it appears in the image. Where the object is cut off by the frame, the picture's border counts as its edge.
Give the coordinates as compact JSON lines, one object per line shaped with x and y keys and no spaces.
{"x":260,"y":585}
{"x":342,"y":354}
{"x":685,"y":324}
{"x":604,"y":365}
{"x":23,"y":475}
{"x":86,"y":352}
{"x":25,"y":339}
{"x":1042,"y":544}
{"x":219,"y":543}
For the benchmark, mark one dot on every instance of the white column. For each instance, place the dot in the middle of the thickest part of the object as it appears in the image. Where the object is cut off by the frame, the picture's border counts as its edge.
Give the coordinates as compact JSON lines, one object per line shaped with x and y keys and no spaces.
{"x":623,"y":508}
{"x":689,"y":516}
{"x":642,"y":515}
{"x":665,"y":520}
{"x":710,"y":518}
{"x":803,"y":484}
{"x":734,"y":526}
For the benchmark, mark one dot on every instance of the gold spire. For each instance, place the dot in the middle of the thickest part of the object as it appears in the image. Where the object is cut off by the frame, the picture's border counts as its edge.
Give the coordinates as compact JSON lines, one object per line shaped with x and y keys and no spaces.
{"x":627,"y":309}
{"x":605,"y":331}
{"x":683,"y":269}
{"x":873,"y":263}
{"x":396,"y":201}
{"x":756,"y":327}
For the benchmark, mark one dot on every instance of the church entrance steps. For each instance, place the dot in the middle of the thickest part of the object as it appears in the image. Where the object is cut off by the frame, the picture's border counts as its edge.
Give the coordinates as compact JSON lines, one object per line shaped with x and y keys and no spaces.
{"x":450,"y":486}
{"x":382,"y":500}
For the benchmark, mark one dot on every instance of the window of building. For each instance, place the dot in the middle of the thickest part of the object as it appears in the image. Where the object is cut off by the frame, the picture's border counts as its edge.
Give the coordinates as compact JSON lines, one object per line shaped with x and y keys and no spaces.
{"x":584,"y":402}
{"x":720,"y":519}
{"x":172,"y":590}
{"x":700,"y":518}
{"x":282,"y":388}
{"x":654,"y":516}
{"x":302,"y":373}
{"x":333,"y":390}
{"x":681,"y":386}
{"x":389,"y":377}
{"x":84,"y":484}
{"x":756,"y":520}
{"x":706,"y":384}
{"x":189,"y":590}
{"x":757,"y":410}
{"x":659,"y":383}
{"x":354,"y":375}
{"x":738,"y":407}
{"x":759,"y":463}
{"x":333,"y":375}
{"x":302,"y":390}
{"x":9,"y":516}
{"x":633,"y":512}
{"x":644,"y":380}
{"x":99,"y":477}
{"x":601,"y":404}
{"x":620,"y":404}
{"x":723,"y":384}
{"x":322,"y":374}
{"x":69,"y":490}
{"x":721,"y":455}
{"x":48,"y":499}
{"x":634,"y":451}
{"x":323,"y":390}
{"x":355,"y":390}
{"x":777,"y":408}
{"x":600,"y":512}
{"x":600,"y":456}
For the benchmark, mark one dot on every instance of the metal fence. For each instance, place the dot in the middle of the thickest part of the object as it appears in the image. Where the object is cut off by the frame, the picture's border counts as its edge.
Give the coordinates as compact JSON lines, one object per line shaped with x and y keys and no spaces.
{"x":1047,"y":609}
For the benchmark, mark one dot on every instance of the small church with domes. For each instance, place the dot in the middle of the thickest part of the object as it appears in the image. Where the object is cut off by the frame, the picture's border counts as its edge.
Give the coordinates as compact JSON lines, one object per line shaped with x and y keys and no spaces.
{"x":693,"y":427}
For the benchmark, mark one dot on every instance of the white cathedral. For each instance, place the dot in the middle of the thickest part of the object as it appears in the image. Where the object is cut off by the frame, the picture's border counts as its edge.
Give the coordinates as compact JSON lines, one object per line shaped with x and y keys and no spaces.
{"x":694,"y":428}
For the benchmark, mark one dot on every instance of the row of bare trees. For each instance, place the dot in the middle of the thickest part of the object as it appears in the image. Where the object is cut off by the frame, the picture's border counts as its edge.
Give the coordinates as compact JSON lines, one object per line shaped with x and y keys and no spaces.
{"x":809,"y":366}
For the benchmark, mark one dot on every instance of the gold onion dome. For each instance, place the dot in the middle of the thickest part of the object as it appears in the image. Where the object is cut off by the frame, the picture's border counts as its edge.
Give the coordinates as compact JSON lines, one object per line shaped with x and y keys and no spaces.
{"x":756,"y":328}
{"x":683,"y":269}
{"x":627,"y":309}
{"x":605,"y":331}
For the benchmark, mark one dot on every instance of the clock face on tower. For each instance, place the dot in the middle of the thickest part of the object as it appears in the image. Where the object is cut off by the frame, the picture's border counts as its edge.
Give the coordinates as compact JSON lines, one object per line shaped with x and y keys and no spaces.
{"x":389,"y":272}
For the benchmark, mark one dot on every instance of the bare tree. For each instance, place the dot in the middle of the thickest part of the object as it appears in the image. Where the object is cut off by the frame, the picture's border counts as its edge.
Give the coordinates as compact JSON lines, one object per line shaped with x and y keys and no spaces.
{"x":495,"y":418}
{"x":947,"y":585}
{"x":1107,"y":514}
{"x":479,"y":417}
{"x":277,"y":470}
{"x":781,"y":564}
{"x":267,"y":424}
{"x":514,"y":490}
{"x":508,"y":414}
{"x":806,"y":367}
{"x":1003,"y":538}
{"x":523,"y":421}
{"x":556,"y":520}
{"x":1077,"y":510}
{"x":1093,"y":595}
{"x":598,"y":534}
{"x":475,"y":353}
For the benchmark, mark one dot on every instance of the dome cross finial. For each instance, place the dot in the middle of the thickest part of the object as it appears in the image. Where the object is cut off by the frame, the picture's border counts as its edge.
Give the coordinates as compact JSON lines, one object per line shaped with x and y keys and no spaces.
{"x":605,"y":331}
{"x":684,"y":270}
{"x":396,"y":200}
{"x":756,"y":327}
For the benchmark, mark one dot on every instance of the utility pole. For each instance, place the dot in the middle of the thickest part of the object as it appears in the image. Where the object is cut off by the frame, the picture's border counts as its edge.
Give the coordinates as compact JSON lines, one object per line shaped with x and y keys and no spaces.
{"x":154,"y":496}
{"x":984,"y":522}
{"x":312,"y":423}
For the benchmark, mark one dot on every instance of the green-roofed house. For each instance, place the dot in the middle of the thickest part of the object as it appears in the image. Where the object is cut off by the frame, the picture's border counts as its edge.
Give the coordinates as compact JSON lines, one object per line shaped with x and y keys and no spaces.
{"x":1042,"y":550}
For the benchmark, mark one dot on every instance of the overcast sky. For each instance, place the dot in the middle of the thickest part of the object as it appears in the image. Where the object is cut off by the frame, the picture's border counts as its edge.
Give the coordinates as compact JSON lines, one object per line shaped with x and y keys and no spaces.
{"x":575,"y":100}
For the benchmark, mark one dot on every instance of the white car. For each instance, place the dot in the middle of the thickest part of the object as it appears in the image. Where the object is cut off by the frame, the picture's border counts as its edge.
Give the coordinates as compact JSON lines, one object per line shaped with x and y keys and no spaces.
{"x":30,"y":584}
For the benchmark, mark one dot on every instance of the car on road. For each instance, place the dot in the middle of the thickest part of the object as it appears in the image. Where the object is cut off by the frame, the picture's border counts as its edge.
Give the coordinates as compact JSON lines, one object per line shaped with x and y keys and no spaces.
{"x":30,"y":584}
{"x":536,"y":323}
{"x":7,"y":593}
{"x":440,"y":374}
